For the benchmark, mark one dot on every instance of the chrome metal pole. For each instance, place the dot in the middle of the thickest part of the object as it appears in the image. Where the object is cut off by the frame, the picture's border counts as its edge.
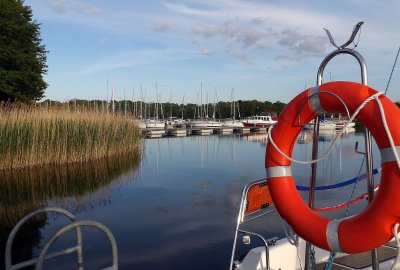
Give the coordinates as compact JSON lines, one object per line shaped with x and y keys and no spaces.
{"x":307,"y":261}
{"x":370,"y":183}
{"x":314,"y":165}
{"x":368,"y":146}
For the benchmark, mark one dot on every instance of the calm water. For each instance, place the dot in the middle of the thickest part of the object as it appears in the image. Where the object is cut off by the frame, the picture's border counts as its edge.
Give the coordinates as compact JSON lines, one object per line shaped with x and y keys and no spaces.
{"x":173,"y":207}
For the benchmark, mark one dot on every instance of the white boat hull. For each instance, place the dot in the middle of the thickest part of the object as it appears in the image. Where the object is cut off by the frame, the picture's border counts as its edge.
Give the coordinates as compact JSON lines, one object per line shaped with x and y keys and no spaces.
{"x":322,"y":126}
{"x":330,"y":125}
{"x":204,"y":124}
{"x":232,"y":124}
{"x":155,"y":125}
{"x":340,"y":125}
{"x":141,"y":124}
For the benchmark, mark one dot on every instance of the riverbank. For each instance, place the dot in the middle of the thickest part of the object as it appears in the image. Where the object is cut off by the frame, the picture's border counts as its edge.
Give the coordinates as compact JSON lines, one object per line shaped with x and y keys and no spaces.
{"x":31,"y":135}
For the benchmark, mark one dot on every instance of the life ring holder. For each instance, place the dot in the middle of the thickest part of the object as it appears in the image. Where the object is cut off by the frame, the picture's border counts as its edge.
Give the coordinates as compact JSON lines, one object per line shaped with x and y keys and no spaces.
{"x":340,"y":50}
{"x":330,"y":237}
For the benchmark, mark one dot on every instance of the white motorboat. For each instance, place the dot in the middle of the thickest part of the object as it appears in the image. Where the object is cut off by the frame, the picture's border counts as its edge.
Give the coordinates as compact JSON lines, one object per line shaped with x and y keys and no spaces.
{"x":207,"y":123}
{"x":323,"y":125}
{"x":141,"y":124}
{"x":259,"y":121}
{"x":342,"y":124}
{"x":232,"y":123}
{"x":154,"y":124}
{"x":331,"y":125}
{"x":175,"y":122}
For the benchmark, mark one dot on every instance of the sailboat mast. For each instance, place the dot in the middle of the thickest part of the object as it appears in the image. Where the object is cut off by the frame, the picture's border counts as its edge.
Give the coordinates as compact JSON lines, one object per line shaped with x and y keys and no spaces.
{"x":107,"y":98}
{"x":201,"y":100}
{"x":183,"y":101}
{"x":156,"y":107}
{"x":141,"y":102}
{"x":206,"y":109}
{"x":170,"y":104}
{"x":134,"y":108}
{"x":233,"y":104}
{"x":215,"y":95}
{"x":112,"y":99}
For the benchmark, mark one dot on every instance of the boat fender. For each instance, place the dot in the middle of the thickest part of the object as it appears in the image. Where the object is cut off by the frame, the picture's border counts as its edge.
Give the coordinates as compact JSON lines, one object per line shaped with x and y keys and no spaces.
{"x":373,"y":226}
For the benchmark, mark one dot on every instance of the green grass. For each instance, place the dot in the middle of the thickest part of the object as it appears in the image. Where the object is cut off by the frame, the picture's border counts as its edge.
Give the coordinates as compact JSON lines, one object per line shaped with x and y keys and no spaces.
{"x":32,"y":136}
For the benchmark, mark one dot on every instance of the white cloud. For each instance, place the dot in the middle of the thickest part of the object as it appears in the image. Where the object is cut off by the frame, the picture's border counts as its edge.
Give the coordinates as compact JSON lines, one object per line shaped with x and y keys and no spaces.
{"x":240,"y":29}
{"x":62,"y":6}
{"x":205,"y":52}
{"x":301,"y":46}
{"x":239,"y":55}
{"x":134,"y":58}
{"x":207,"y":32}
{"x":58,"y":6}
{"x":93,"y":10}
{"x":182,"y":8}
{"x":161,"y":27}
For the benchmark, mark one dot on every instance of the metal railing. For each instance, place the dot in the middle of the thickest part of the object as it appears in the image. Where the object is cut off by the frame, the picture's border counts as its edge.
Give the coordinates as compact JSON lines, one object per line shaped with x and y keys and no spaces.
{"x":244,"y":217}
{"x":44,"y":255}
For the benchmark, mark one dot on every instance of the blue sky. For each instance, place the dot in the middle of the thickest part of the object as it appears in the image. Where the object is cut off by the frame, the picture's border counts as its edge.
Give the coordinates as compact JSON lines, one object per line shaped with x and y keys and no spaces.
{"x":265,"y":50}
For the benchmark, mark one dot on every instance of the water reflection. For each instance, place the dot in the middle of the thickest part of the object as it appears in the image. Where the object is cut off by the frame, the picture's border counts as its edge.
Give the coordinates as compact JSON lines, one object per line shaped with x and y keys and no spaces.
{"x":183,"y":205}
{"x":256,"y":137}
{"x":305,"y":136}
{"x":26,"y":189}
{"x":23,"y":191}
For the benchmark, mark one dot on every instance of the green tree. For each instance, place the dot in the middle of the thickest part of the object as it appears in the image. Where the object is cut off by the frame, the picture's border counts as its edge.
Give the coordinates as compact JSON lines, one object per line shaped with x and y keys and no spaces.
{"x":278,"y":106}
{"x":22,"y":57}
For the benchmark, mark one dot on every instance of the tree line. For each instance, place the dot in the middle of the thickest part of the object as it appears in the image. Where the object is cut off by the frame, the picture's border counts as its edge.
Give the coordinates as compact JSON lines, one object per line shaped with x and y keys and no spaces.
{"x":221,"y":110}
{"x":138,"y":109}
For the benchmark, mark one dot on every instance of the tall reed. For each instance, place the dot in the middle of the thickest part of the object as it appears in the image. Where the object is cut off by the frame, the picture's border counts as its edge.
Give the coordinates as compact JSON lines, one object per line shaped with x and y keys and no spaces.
{"x":33,"y":135}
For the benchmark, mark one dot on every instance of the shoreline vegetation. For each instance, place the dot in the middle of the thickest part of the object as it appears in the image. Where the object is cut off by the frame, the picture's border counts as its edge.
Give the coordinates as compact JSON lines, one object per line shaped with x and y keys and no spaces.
{"x":34,"y":135}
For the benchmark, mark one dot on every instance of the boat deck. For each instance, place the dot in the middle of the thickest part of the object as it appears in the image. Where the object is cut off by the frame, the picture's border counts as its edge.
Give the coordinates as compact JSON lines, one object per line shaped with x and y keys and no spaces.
{"x":361,"y":260}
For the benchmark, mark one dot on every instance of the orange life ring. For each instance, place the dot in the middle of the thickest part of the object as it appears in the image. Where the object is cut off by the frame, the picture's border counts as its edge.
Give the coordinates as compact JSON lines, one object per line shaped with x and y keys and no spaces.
{"x":373,"y":226}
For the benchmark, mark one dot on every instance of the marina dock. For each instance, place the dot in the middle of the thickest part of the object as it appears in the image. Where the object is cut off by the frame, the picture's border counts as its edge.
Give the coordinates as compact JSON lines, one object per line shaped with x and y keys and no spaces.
{"x":182,"y":132}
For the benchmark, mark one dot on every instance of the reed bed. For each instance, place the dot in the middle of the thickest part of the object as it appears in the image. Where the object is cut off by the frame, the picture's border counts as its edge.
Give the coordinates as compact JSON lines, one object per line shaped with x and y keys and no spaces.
{"x":32,"y":135}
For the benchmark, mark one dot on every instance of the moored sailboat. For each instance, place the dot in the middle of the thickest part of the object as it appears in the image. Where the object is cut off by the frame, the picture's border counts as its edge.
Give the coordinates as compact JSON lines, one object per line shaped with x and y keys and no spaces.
{"x":233,"y":122}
